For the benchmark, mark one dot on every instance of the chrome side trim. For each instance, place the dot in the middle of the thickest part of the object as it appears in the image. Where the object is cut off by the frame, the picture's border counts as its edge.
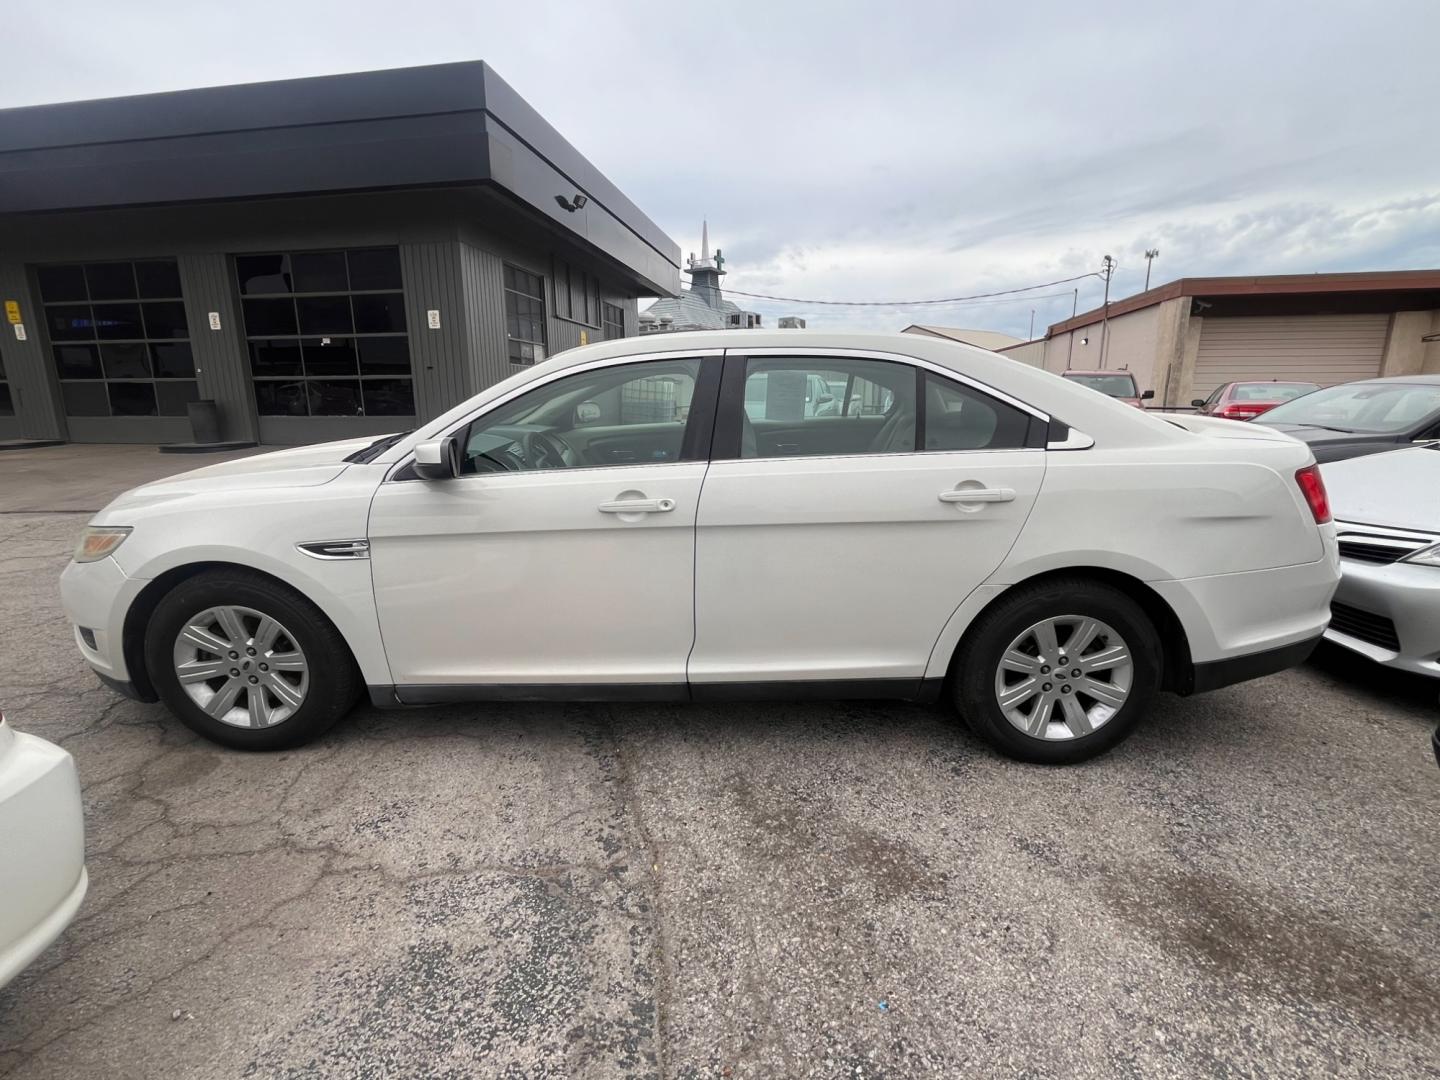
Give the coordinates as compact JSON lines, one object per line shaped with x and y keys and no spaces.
{"x":336,"y":549}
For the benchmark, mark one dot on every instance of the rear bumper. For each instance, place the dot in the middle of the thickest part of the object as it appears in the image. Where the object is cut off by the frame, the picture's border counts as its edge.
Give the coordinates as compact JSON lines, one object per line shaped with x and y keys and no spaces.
{"x":1236,"y":669}
{"x":42,"y":847}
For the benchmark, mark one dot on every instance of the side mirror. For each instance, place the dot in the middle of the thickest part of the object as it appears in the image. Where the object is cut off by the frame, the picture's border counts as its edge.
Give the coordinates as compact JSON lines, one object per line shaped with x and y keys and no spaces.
{"x":438,"y":459}
{"x":1147,"y":395}
{"x":1199,"y":403}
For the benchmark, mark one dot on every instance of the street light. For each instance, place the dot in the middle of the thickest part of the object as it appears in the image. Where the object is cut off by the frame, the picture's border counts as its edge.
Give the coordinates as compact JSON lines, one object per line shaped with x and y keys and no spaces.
{"x":1150,"y":256}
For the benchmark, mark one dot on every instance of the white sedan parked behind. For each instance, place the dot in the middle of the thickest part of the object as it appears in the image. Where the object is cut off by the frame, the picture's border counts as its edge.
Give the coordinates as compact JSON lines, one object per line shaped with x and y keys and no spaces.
{"x":42,"y":847}
{"x":664,"y":518}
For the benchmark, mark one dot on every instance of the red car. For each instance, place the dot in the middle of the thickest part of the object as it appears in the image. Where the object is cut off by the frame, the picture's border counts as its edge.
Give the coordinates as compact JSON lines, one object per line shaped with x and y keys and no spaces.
{"x":1247,"y":400}
{"x":1117,"y":384}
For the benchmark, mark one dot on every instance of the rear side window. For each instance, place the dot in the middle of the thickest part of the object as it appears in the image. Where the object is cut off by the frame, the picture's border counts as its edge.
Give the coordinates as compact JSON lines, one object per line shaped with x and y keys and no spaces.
{"x":826,"y":406}
{"x":959,"y":418}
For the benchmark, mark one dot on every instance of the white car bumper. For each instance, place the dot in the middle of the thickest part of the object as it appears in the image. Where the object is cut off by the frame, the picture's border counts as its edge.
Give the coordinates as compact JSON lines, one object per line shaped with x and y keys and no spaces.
{"x":42,"y":847}
{"x":1390,"y":612}
{"x":96,"y":596}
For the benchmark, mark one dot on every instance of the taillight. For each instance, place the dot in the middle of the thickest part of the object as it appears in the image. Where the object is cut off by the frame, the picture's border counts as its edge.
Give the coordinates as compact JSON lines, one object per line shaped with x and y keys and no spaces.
{"x":1241,"y":412}
{"x":1312,"y":486}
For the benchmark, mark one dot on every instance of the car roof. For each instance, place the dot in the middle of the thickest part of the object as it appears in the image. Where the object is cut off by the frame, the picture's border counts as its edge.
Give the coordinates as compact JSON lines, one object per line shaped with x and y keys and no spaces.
{"x":1419,"y":380}
{"x":1098,"y":371}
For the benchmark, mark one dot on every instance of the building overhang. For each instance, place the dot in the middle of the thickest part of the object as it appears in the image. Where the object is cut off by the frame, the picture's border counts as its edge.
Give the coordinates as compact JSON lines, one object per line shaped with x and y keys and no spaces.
{"x":447,"y":125}
{"x":1282,"y":294}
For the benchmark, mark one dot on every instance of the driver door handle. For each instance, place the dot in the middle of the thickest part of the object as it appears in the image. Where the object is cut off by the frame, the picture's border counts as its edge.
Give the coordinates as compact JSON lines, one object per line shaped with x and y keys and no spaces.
{"x":978,"y":495}
{"x":637,"y":506}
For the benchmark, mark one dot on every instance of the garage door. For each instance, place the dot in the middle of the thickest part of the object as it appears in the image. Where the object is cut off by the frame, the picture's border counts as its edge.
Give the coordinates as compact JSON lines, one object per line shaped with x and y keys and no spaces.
{"x":1324,"y":349}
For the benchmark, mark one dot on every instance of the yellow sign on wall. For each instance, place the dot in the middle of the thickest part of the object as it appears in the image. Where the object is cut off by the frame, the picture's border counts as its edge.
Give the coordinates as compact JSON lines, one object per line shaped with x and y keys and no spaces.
{"x":12,"y":311}
{"x":584,"y":337}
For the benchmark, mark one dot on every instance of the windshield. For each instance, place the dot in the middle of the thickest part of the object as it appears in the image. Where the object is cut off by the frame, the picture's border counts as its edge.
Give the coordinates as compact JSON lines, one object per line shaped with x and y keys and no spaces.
{"x":1371,"y":408}
{"x":1120,"y":385}
{"x":1268,"y":391}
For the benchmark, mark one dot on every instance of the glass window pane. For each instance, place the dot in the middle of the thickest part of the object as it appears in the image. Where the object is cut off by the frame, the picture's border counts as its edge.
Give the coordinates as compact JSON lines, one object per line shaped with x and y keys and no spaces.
{"x":266,"y":317}
{"x":375,"y":268}
{"x":166,"y":320}
{"x":111,"y":281}
{"x":324,"y":315}
{"x":384,"y":356}
{"x":118,"y":321}
{"x":280,"y":357}
{"x":958,"y":418}
{"x":7,"y":404}
{"x":334,"y":397}
{"x":320,"y":271}
{"x":263,"y":273}
{"x":159,"y":278}
{"x":382,"y":313}
{"x":172,"y":360}
{"x":174,"y":396}
{"x":130,"y":361}
{"x":61,"y":283}
{"x":793,"y":407}
{"x":77,"y":361}
{"x":70,"y":322}
{"x":132,"y":398}
{"x":329,"y":356}
{"x":85,"y":399}
{"x":577,"y":296}
{"x":274,"y":398}
{"x":388,"y":397}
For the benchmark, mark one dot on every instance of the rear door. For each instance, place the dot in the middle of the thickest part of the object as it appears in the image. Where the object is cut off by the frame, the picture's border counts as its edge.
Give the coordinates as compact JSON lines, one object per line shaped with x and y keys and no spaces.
{"x":834,"y":548}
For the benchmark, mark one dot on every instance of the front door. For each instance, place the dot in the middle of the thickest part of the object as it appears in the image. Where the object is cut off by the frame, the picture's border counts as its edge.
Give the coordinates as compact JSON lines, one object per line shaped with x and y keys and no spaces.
{"x":563,"y":557}
{"x":835,"y":547}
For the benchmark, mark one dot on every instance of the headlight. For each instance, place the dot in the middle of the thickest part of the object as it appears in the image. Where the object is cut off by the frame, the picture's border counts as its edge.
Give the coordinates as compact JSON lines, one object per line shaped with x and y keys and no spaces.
{"x":1426,"y":556}
{"x":100,"y":541}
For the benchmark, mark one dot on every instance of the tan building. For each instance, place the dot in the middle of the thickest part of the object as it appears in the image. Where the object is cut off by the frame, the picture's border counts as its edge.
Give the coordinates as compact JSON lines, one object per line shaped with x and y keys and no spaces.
{"x":1185,"y":338}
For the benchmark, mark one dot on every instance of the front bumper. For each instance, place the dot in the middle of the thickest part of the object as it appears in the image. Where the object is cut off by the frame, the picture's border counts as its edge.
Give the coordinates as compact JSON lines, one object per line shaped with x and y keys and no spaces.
{"x":1406,"y":594}
{"x":96,"y":596}
{"x":42,"y":847}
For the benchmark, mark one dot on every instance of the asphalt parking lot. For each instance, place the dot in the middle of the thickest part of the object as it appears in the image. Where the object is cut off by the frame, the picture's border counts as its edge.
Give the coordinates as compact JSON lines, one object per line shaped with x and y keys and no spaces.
{"x":1247,"y":887}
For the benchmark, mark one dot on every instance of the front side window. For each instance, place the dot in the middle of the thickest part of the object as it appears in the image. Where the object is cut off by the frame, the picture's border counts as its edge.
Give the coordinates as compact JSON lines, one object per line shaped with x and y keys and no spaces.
{"x":524,"y":316}
{"x":119,"y":337}
{"x":627,"y":414}
{"x":326,"y":332}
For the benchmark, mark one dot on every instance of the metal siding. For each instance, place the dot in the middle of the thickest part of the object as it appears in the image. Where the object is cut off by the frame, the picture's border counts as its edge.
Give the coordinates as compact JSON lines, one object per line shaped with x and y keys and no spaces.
{"x":483,"y":273}
{"x":27,"y":363}
{"x":1324,"y":349}
{"x":431,"y":276}
{"x":222,"y":362}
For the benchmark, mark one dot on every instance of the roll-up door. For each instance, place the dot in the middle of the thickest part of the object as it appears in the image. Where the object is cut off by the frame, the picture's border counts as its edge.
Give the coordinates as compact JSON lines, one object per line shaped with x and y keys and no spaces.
{"x":1323,"y":349}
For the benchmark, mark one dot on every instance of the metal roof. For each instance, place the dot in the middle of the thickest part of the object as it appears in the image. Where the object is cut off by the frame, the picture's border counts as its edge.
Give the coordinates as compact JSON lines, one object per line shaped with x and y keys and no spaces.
{"x":688,"y":310}
{"x":441,"y":125}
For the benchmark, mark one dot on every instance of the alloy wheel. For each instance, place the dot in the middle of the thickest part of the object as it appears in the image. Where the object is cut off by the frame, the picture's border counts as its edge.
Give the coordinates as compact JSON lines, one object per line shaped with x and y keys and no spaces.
{"x":241,"y":666}
{"x":1064,"y":677}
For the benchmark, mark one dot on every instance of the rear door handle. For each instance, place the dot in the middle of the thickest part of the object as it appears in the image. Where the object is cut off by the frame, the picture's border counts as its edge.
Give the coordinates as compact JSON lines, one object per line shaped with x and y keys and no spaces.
{"x":637,"y":506}
{"x":978,"y":495}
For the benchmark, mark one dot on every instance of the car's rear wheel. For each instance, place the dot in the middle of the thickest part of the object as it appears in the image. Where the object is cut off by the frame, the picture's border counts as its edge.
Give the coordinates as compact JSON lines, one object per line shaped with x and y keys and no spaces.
{"x":247,"y":662}
{"x":1059,"y":671}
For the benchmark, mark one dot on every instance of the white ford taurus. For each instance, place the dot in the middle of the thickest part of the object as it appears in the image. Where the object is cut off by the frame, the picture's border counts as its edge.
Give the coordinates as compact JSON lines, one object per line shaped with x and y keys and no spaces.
{"x":720,"y":516}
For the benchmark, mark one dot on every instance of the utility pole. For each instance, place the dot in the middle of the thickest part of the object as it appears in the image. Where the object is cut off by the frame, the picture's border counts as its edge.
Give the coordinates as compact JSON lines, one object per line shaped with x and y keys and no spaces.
{"x":1107,"y":272}
{"x":1032,"y":325}
{"x":1070,"y":337}
{"x":1150,"y":255}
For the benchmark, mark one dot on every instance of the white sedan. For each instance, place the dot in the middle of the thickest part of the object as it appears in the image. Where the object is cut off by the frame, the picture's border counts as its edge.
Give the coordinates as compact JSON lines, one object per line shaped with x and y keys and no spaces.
{"x":665,"y":519}
{"x":42,"y":847}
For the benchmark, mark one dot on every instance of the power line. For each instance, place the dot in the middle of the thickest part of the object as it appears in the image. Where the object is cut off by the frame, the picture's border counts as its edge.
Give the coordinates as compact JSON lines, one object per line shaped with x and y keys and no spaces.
{"x":908,"y":303}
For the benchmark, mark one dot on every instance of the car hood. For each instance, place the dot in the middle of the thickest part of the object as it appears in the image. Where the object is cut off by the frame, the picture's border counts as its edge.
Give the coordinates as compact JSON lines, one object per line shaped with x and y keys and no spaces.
{"x":1332,"y":445}
{"x":1400,"y":489}
{"x":302,"y":466}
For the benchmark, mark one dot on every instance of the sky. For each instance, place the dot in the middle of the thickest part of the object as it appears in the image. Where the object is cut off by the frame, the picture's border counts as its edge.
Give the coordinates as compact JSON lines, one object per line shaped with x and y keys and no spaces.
{"x":893,"y":151}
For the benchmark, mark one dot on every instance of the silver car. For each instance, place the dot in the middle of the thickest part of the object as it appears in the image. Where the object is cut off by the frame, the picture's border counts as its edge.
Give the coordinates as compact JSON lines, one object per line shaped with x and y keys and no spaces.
{"x":1387,"y":515}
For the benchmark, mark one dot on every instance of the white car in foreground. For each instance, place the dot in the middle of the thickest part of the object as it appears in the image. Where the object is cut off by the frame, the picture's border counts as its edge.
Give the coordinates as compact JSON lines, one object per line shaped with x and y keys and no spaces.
{"x":633,"y":520}
{"x":42,"y":847}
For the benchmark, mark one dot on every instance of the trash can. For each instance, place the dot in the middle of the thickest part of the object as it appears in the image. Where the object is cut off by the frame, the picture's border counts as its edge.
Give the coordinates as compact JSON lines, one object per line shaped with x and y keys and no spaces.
{"x":204,"y":420}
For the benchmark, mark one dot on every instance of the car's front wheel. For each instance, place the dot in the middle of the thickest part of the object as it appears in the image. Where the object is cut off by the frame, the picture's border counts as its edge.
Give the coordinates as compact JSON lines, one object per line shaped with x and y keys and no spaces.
{"x":1059,"y":671}
{"x":247,"y":662}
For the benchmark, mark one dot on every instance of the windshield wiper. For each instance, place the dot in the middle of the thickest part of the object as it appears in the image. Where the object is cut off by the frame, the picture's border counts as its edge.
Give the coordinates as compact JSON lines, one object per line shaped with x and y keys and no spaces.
{"x":1327,"y":427}
{"x":375,"y":449}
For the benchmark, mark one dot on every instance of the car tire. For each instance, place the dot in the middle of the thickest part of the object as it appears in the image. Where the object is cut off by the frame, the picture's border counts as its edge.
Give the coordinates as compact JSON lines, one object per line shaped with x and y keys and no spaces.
{"x":318,"y":669}
{"x":1004,"y":649}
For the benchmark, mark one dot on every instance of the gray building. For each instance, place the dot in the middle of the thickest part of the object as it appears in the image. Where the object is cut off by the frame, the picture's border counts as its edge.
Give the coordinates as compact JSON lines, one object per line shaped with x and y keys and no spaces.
{"x":323,"y":257}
